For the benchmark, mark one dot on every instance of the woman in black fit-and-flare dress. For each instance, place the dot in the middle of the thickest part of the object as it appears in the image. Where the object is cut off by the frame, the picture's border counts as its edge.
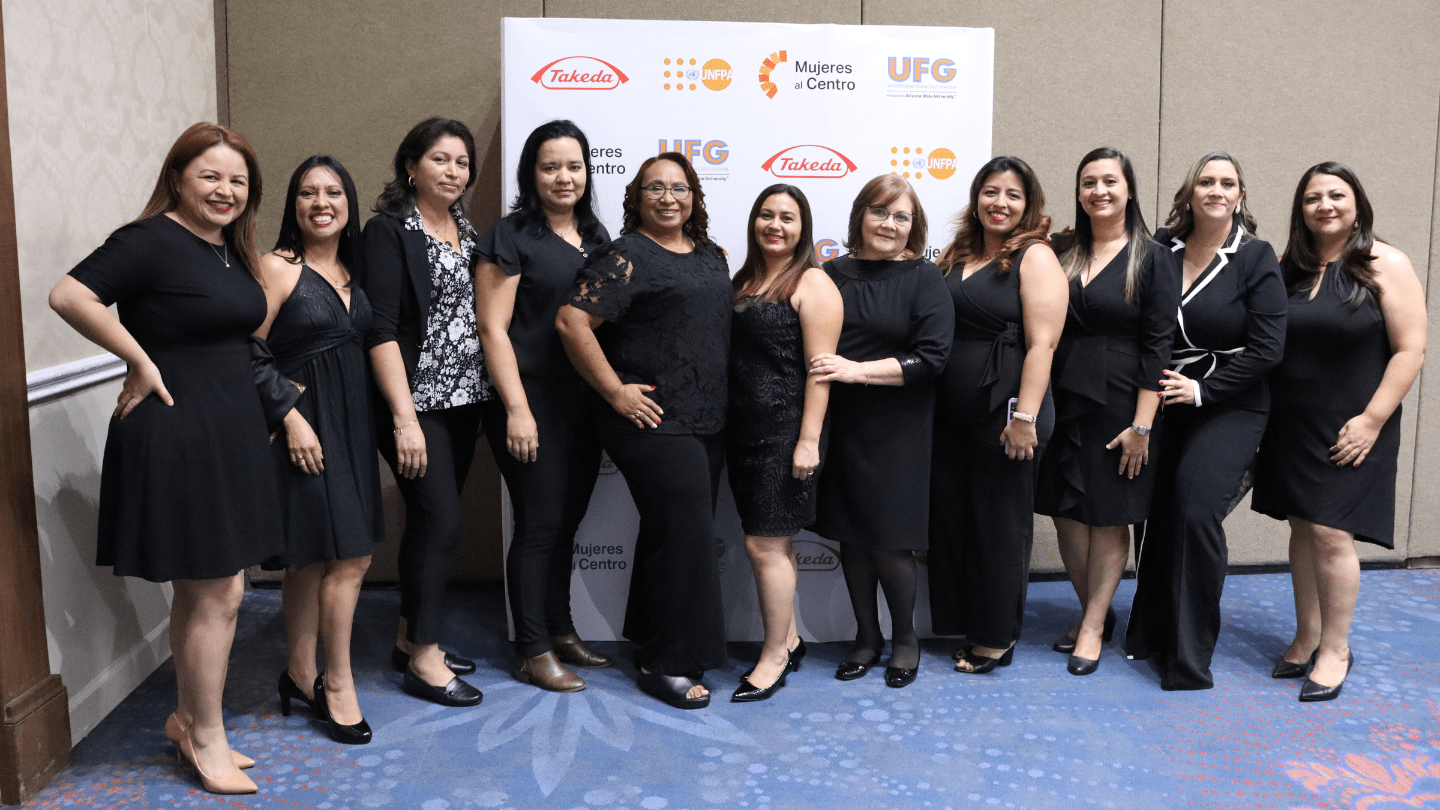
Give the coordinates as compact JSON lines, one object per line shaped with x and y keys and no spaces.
{"x":1230,"y":335}
{"x":1353,"y":347}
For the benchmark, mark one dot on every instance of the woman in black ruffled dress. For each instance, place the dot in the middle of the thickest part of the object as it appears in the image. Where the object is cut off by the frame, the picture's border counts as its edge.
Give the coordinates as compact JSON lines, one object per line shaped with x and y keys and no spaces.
{"x":786,"y":311}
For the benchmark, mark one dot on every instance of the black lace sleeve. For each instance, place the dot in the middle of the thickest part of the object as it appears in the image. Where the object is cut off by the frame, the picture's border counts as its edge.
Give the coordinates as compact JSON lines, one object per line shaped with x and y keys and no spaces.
{"x":604,"y":286}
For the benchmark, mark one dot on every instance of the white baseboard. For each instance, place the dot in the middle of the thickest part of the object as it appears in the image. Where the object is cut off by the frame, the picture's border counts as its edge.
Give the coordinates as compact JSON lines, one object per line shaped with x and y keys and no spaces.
{"x":91,"y":702}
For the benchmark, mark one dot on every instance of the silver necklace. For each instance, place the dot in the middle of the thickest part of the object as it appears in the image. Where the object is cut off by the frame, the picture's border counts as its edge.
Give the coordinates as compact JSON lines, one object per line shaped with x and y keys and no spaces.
{"x":226,"y":257}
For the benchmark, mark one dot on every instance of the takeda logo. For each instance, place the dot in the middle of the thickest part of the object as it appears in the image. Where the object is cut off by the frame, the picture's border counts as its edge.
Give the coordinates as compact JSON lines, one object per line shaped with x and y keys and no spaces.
{"x":813,"y":556}
{"x":809,"y":160}
{"x":579,"y":73}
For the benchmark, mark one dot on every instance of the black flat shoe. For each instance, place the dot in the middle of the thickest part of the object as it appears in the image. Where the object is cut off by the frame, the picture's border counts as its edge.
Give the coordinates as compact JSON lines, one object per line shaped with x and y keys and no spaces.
{"x":454,"y":693}
{"x":748,"y":692}
{"x":900,"y":677}
{"x":357,"y":734}
{"x":1286,"y":669}
{"x":1082,"y":666}
{"x":1065,"y":644}
{"x":980,"y":664}
{"x":1311,"y":692}
{"x":796,"y":654}
{"x":848,"y":671}
{"x":400,"y":660}
{"x":289,"y":691}
{"x":672,"y":689}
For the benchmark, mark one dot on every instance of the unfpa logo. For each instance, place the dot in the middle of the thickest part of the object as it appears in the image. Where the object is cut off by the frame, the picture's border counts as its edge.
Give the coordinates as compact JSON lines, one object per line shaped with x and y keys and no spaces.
{"x":579,"y":73}
{"x":715,"y":74}
{"x":914,"y":163}
{"x":768,"y":65}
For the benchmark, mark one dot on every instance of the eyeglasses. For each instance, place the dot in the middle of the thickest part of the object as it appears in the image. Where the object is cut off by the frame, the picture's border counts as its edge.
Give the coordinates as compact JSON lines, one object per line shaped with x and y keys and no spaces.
{"x":655,"y":192}
{"x":880,"y":214}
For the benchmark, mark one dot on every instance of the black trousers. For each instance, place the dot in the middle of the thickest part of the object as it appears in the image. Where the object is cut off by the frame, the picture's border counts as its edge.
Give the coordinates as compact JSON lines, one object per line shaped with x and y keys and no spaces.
{"x":549,"y":496}
{"x":1205,"y":457}
{"x":674,"y":612}
{"x":432,"y":515}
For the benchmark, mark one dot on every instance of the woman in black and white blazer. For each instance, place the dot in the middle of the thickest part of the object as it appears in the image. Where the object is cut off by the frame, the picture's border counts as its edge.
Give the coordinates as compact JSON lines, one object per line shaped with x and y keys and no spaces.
{"x":420,"y":249}
{"x":1230,"y":334}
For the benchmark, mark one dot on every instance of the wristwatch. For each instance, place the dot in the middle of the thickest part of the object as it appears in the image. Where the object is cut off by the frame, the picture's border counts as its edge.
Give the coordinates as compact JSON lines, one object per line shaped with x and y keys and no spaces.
{"x":1141,"y":429}
{"x":1023,"y":417}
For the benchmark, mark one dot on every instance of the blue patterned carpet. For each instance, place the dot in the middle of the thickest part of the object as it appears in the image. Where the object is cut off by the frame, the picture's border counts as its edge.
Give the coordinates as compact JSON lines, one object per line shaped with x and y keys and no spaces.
{"x":1030,"y":736}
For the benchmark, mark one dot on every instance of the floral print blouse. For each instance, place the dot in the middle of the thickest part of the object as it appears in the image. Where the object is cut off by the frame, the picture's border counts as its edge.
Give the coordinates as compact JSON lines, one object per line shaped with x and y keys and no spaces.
{"x":451,"y":371}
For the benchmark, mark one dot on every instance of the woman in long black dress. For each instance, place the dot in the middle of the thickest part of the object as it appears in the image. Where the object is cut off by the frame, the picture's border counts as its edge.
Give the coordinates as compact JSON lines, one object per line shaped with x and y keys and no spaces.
{"x":528,"y":264}
{"x":994,"y":413}
{"x":875,"y":487}
{"x":786,"y":311}
{"x":648,"y":327}
{"x":419,"y":255}
{"x":1354,"y":343}
{"x":187,"y":489}
{"x":1229,"y":336}
{"x":1095,"y":478}
{"x":318,"y":327}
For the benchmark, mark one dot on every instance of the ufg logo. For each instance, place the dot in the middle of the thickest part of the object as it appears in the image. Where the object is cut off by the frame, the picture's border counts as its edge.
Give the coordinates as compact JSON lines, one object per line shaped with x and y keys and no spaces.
{"x":914,"y":69}
{"x":939,"y":164}
{"x":579,"y":73}
{"x":765,"y":68}
{"x":808,"y":160}
{"x":714,"y":152}
{"x":827,"y":249}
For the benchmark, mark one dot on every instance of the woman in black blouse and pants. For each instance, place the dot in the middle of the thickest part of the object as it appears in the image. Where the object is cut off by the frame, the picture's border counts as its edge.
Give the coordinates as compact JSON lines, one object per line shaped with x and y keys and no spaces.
{"x":875,"y":485}
{"x":427,"y":361}
{"x":649,"y":328}
{"x":528,"y":265}
{"x":1230,"y":334}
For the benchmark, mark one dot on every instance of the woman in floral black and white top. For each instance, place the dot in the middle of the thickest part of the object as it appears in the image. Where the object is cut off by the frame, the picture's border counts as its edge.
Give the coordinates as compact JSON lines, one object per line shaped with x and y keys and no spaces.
{"x":420,"y":250}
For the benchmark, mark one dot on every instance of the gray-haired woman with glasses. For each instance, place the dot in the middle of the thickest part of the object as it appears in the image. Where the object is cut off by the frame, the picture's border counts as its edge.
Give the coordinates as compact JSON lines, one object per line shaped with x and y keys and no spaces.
{"x":648,"y":327}
{"x":875,"y":486}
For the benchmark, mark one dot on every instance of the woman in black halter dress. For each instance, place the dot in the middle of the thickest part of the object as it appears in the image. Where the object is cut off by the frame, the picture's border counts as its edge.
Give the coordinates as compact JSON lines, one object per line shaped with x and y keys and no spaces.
{"x":319,"y":327}
{"x":1354,"y":343}
{"x":994,"y":413}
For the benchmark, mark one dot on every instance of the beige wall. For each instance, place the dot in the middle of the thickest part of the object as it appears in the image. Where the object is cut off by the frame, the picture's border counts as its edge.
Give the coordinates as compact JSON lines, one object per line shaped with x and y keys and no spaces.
{"x":98,"y":90}
{"x":1282,"y":84}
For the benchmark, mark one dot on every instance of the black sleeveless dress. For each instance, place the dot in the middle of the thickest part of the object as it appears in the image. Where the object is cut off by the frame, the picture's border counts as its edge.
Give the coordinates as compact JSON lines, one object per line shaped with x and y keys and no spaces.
{"x":982,"y":524}
{"x":767,"y":401}
{"x":318,"y":344}
{"x":186,"y":490}
{"x":1335,"y":357}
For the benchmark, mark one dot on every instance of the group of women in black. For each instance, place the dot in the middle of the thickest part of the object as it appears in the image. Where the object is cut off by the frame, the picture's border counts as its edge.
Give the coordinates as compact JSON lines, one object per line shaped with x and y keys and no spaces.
{"x":1103,"y":376}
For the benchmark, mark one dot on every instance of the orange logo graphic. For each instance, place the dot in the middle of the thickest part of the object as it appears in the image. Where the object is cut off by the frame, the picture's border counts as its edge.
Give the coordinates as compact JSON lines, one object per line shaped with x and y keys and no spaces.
{"x":809,"y":160}
{"x":939,"y":164}
{"x":579,"y":73}
{"x":715,"y":74}
{"x":765,"y":67}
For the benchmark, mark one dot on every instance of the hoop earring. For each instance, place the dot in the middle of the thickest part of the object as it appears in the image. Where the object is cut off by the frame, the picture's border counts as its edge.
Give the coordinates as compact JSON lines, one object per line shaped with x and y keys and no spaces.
{"x":411,"y":178}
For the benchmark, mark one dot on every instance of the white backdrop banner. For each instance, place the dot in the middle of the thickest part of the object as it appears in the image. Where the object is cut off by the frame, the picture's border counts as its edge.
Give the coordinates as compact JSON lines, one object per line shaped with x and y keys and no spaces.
{"x":822,"y":107}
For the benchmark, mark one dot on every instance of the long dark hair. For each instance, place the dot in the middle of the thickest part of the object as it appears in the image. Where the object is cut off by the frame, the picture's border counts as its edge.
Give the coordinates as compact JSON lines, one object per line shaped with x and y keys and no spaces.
{"x":192,"y":143}
{"x":527,"y":200}
{"x":1081,"y":242}
{"x":1301,"y":263}
{"x":752,"y":274}
{"x":969,"y":239}
{"x":880,"y":191}
{"x":292,"y":241}
{"x":697,"y":226}
{"x":398,"y":196}
{"x":1181,"y":220}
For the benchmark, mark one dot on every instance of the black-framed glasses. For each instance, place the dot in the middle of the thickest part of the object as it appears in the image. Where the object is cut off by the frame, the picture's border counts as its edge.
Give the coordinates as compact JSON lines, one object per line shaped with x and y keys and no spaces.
{"x":880,"y":214}
{"x":657,"y":191}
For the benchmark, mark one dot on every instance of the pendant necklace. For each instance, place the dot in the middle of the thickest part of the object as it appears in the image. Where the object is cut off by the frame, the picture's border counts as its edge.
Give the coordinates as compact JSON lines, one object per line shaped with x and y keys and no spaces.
{"x":226,"y":257}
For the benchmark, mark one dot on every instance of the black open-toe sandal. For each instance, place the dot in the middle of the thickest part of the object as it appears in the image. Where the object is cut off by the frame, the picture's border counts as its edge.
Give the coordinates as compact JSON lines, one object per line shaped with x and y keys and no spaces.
{"x":980,"y":664}
{"x":671,"y":689}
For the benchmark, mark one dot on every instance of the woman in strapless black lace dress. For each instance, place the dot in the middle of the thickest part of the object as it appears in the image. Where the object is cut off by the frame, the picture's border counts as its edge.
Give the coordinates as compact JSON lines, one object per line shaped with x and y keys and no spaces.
{"x":786,"y":311}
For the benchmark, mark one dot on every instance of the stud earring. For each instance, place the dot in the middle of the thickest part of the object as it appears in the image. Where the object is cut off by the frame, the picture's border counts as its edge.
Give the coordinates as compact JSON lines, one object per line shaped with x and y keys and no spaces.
{"x":411,"y":178}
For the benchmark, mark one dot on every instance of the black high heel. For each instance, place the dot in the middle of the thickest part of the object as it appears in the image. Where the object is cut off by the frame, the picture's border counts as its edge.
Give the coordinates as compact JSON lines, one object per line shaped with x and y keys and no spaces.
{"x":358,"y":734}
{"x":980,"y":664}
{"x":1288,"y":669}
{"x":1065,"y":644}
{"x":748,"y":692}
{"x":289,"y":691}
{"x":1312,"y":692}
{"x":1082,"y":666}
{"x":797,"y":654}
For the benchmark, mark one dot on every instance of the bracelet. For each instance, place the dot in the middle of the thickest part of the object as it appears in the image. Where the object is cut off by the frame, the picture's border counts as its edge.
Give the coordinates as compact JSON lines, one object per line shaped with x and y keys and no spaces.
{"x":1141,"y":429}
{"x":406,"y":425}
{"x":1023,"y":417}
{"x":865,"y":367}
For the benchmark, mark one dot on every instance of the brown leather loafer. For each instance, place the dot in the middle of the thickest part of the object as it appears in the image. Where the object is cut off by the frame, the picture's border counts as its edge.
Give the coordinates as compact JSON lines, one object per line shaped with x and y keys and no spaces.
{"x":573,"y":651}
{"x":546,"y":672}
